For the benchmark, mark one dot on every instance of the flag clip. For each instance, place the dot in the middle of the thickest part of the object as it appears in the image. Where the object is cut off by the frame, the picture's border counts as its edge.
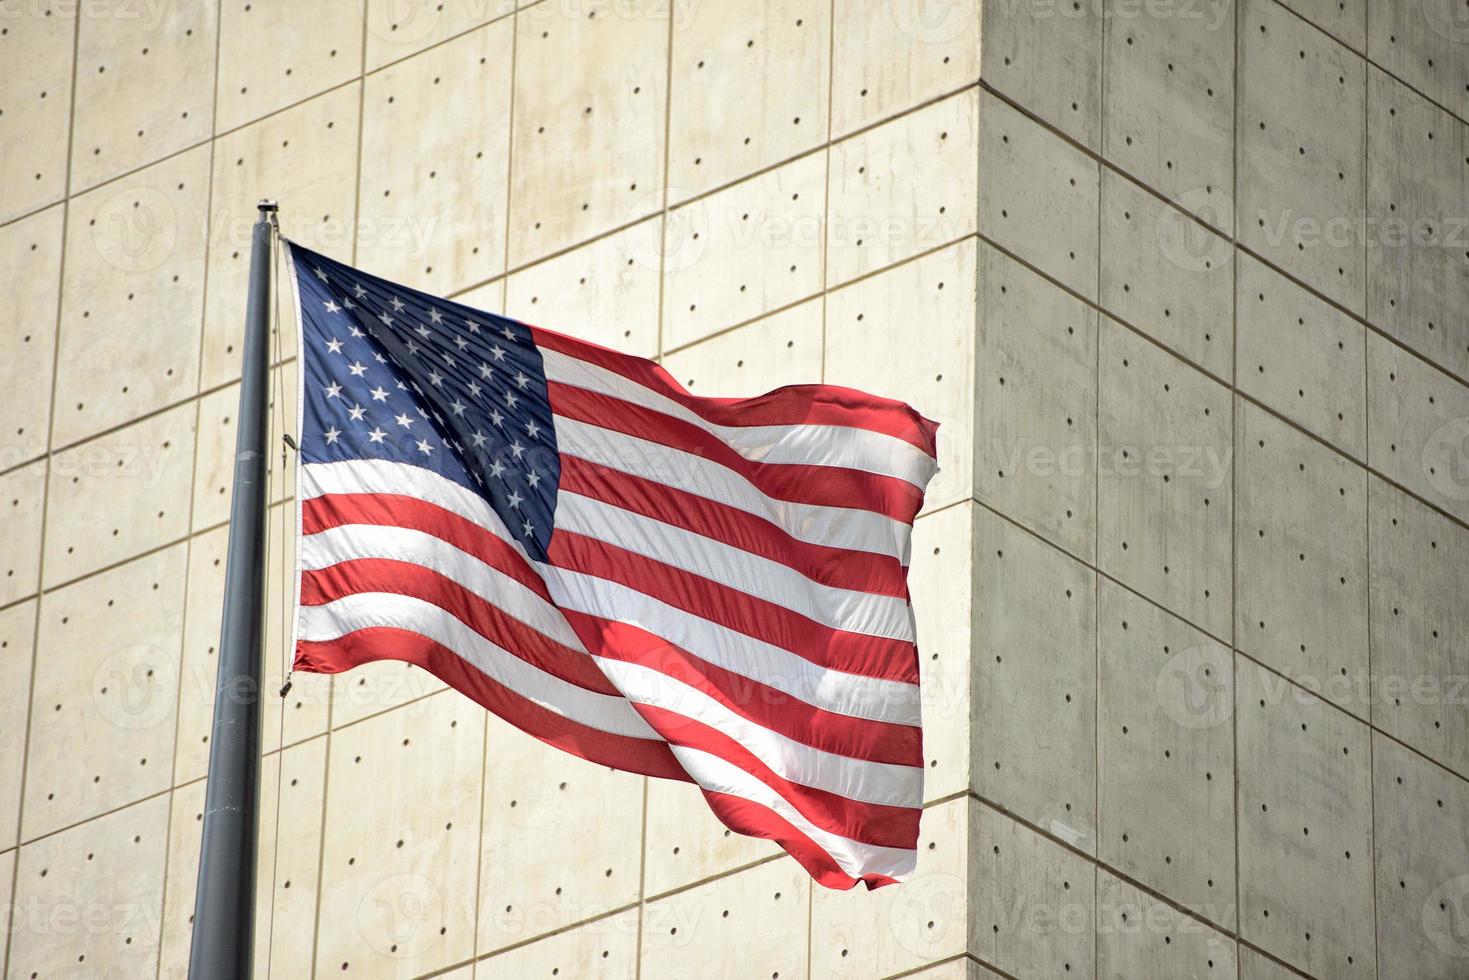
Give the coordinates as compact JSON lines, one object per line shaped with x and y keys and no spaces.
{"x":286,"y":688}
{"x":286,"y":438}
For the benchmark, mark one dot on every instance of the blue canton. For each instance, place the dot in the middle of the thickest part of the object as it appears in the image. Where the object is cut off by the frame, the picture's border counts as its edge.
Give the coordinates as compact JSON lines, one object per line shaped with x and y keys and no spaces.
{"x":394,"y":374}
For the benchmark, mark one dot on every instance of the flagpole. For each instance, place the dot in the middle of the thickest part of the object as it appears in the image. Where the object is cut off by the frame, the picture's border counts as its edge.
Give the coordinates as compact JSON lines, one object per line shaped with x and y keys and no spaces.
{"x":224,"y":904}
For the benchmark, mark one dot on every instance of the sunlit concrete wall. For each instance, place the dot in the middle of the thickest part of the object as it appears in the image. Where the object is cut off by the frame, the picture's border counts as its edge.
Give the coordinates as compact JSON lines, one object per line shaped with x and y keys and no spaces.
{"x":1185,"y":282}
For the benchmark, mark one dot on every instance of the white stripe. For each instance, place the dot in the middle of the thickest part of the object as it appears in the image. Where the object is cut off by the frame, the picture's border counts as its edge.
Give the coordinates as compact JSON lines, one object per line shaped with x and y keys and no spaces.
{"x":349,"y":542}
{"x":831,"y":690}
{"x":842,"y":609}
{"x":836,"y":527}
{"x":363,"y":610}
{"x":719,"y":775}
{"x":856,"y":779}
{"x":811,"y":444}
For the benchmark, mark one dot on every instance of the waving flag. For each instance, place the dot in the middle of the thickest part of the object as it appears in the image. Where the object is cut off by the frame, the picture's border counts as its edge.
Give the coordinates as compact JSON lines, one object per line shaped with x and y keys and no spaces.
{"x":703,"y":589}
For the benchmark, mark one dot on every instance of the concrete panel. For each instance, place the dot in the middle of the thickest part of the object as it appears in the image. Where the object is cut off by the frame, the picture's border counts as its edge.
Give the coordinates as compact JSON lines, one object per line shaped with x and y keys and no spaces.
{"x":903,"y":188}
{"x":290,"y":845}
{"x":35,"y":111}
{"x":1035,"y":404}
{"x":940,"y":580}
{"x":7,"y":878}
{"x":1301,"y":555}
{"x":1254,"y":965}
{"x":1422,"y":854}
{"x":891,"y":56}
{"x":438,"y":200}
{"x":1163,"y":524}
{"x":606,"y":949}
{"x":1166,"y":755}
{"x":374,"y":688}
{"x":1418,"y":431}
{"x":305,"y":158}
{"x":1421,"y":42}
{"x":548,"y":860}
{"x":1032,"y":902}
{"x":119,"y":495}
{"x":214,"y":464}
{"x":30,"y":274}
{"x":1167,"y":275}
{"x":1419,"y":621}
{"x":752,"y":248}
{"x":1300,"y":181}
{"x":1301,"y":356}
{"x":860,"y":934}
{"x":273,"y":53}
{"x":1305,"y":827}
{"x":106,"y":682}
{"x":123,"y":117}
{"x":395,"y":896}
{"x":781,"y":349}
{"x":1048,"y":58}
{"x":132,"y":297}
{"x":17,"y":642}
{"x":22,"y":503}
{"x":89,"y":899}
{"x":1169,"y":113}
{"x":1418,"y":269}
{"x":871,"y":345}
{"x":1038,"y":196}
{"x":396,"y":30}
{"x":1143,"y":938}
{"x":605,"y":292}
{"x":750,"y":88}
{"x":684,"y":842}
{"x":762,"y":912}
{"x":1345,"y":20}
{"x":589,"y":123}
{"x":305,"y":707}
{"x":1035,"y":634}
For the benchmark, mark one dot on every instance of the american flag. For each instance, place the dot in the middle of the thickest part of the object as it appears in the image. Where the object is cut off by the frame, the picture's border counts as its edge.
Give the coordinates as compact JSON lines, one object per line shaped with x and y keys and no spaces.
{"x":703,"y":589}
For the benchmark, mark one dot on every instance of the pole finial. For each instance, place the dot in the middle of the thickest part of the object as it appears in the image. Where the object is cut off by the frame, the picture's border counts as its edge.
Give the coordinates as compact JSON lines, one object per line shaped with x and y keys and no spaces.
{"x":266,"y":204}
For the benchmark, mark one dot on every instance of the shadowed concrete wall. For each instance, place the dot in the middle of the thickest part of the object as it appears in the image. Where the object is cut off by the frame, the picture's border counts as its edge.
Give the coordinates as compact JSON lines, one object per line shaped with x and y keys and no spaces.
{"x":1184,"y":281}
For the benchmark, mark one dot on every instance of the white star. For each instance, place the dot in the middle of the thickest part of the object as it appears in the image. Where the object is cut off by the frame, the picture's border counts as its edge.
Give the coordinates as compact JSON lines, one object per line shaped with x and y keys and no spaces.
{"x":532,"y":429}
{"x":347,"y":303}
{"x":485,"y":370}
{"x":402,"y":386}
{"x":320,"y":275}
{"x":376,"y":435}
{"x":423,"y":331}
{"x":510,"y":399}
{"x":479,"y":439}
{"x":331,"y":435}
{"x":436,"y":379}
{"x":397,"y":304}
{"x":497,"y":418}
{"x":413,"y":347}
{"x":533,"y":479}
{"x":379,"y":394}
{"x":496,"y":468}
{"x":516,"y":449}
{"x":358,"y":369}
{"x":509,"y":334}
{"x":358,"y":291}
{"x":334,"y":346}
{"x":473,"y":327}
{"x":331,"y":306}
{"x":474,"y":390}
{"x":498,"y":353}
{"x":356,"y":412}
{"x":449,"y":359}
{"x":387,"y":320}
{"x":355,"y":331}
{"x":435,"y":315}
{"x":529,"y":528}
{"x":437,"y":417}
{"x":424,"y":447}
{"x":333,"y":390}
{"x":457,"y":407}
{"x":461,"y":343}
{"x":521,"y":380}
{"x":403,"y":420}
{"x":514,"y":499}
{"x":377,"y":356}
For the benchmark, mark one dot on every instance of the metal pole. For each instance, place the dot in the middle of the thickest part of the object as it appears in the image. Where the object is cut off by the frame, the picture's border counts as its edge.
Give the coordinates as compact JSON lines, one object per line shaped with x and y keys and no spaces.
{"x":224,"y":905}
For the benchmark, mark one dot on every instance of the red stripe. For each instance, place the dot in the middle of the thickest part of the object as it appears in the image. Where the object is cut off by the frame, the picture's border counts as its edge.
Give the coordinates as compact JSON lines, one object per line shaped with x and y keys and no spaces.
{"x":394,"y":510}
{"x":754,"y":820}
{"x":840,"y":568}
{"x":494,"y":624}
{"x":870,"y":823}
{"x":646,"y":756}
{"x":791,"y":405}
{"x":853,"y":653}
{"x":825,"y":486}
{"x":769,"y":707}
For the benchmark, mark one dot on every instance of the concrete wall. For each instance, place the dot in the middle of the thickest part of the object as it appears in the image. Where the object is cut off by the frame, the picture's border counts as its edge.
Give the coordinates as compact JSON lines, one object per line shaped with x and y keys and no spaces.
{"x":1183,"y":280}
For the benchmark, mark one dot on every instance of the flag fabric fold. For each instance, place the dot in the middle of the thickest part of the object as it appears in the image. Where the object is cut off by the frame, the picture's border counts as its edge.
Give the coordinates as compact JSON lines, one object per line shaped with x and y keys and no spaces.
{"x":705,"y":589}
